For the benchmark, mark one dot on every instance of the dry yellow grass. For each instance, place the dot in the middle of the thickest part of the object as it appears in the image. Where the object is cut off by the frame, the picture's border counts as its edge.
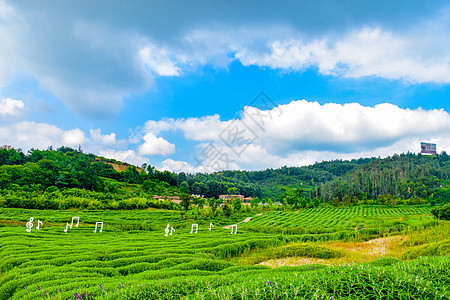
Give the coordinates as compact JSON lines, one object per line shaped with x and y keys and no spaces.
{"x":294,"y":261}
{"x":355,"y":252}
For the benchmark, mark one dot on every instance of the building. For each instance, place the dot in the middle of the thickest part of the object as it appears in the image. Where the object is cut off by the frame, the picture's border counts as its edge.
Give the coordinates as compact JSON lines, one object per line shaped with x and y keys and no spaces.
{"x":7,"y":147}
{"x":246,"y":201}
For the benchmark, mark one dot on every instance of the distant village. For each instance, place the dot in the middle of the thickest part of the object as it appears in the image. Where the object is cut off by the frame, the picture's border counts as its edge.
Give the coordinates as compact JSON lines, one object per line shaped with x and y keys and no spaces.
{"x":225,"y":199}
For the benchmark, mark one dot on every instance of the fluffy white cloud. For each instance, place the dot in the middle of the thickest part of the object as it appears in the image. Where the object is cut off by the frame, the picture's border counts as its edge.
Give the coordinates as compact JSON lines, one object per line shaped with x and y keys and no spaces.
{"x":303,"y":132}
{"x":73,"y":137}
{"x":179,"y":166}
{"x":198,"y":129}
{"x":28,"y":135}
{"x":105,"y":139}
{"x":158,"y":61}
{"x":10,"y":106}
{"x":365,"y":52}
{"x":154,"y":145}
{"x":310,"y":125}
{"x":347,"y":127}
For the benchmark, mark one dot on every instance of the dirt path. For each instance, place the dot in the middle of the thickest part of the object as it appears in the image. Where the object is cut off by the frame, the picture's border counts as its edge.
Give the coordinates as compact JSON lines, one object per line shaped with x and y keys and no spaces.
{"x":244,"y":221}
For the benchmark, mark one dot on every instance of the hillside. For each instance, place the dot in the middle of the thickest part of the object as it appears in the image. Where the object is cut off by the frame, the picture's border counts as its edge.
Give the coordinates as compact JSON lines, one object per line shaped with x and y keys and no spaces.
{"x":41,"y":176}
{"x":69,"y":178}
{"x":275,"y":182}
{"x":404,"y":176}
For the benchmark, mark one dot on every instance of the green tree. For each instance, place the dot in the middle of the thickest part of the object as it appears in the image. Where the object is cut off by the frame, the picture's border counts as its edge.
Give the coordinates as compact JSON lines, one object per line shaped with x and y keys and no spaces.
{"x":186,"y":200}
{"x":441,"y":212}
{"x":382,"y":199}
{"x":335,"y":201}
{"x":316,"y":202}
{"x":184,"y":188}
{"x":212,"y":203}
{"x":347,"y":200}
{"x":232,"y":191}
{"x":237,"y":204}
{"x":199,"y":188}
{"x":390,"y":200}
{"x":200,"y":202}
{"x":254,"y":202}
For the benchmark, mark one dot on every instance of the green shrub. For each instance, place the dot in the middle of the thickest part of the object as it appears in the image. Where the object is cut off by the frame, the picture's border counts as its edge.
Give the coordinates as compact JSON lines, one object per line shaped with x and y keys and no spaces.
{"x":441,"y":212}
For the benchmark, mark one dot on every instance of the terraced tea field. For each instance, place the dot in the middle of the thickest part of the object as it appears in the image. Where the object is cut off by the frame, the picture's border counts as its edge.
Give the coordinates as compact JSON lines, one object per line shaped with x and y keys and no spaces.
{"x":323,"y":222}
{"x":133,"y":259}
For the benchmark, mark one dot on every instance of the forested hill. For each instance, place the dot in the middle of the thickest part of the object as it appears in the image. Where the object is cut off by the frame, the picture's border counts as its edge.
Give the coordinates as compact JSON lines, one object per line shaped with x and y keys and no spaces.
{"x":68,"y":169}
{"x":406,"y":176}
{"x":275,"y":182}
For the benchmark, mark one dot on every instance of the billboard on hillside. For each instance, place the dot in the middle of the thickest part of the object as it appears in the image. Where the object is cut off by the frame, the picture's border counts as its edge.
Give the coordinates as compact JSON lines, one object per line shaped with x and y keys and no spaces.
{"x":427,"y":148}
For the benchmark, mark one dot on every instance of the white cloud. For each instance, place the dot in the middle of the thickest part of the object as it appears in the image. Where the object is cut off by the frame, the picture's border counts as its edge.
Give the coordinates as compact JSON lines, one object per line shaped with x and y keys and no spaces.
{"x":105,"y":139}
{"x":154,"y":145}
{"x":73,"y":137}
{"x":370,"y":51}
{"x":10,"y":106}
{"x":309,"y":125}
{"x":198,"y":129}
{"x":157,"y":126}
{"x":303,"y":132}
{"x":96,"y":64}
{"x":179,"y":166}
{"x":27,"y":135}
{"x":158,"y":61}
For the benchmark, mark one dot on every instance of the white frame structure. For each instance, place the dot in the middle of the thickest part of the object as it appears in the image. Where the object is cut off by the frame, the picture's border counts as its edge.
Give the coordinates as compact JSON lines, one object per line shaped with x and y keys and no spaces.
{"x":101,"y":228}
{"x":192,"y":228}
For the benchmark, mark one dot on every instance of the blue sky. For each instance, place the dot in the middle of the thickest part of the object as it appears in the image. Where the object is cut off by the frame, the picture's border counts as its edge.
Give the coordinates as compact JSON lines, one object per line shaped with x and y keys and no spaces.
{"x":200,"y":86}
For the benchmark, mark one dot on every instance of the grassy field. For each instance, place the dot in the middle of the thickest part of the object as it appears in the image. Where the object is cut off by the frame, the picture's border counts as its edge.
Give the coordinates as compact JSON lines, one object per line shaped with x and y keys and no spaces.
{"x":402,"y":255}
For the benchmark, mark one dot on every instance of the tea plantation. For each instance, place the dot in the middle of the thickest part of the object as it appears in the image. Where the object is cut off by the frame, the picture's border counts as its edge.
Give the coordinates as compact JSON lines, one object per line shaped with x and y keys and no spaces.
{"x":132,"y":258}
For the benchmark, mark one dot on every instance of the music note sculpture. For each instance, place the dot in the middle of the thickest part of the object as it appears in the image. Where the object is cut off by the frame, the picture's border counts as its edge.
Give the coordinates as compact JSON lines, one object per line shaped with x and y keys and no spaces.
{"x":78,"y":221}
{"x":211,"y":226}
{"x":101,"y":229}
{"x":235,"y":228}
{"x":167,"y":230}
{"x":39,"y":222}
{"x":29,"y":224}
{"x":70,"y":225}
{"x":196,"y":228}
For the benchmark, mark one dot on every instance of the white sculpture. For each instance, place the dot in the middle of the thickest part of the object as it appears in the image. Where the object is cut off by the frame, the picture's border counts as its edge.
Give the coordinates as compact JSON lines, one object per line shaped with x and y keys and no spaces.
{"x":196,"y":228}
{"x":78,"y":221}
{"x":211,"y":226}
{"x":101,"y":228}
{"x":235,"y":228}
{"x":39,"y":222}
{"x":70,"y":225}
{"x":30,"y":224}
{"x":167,"y":230}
